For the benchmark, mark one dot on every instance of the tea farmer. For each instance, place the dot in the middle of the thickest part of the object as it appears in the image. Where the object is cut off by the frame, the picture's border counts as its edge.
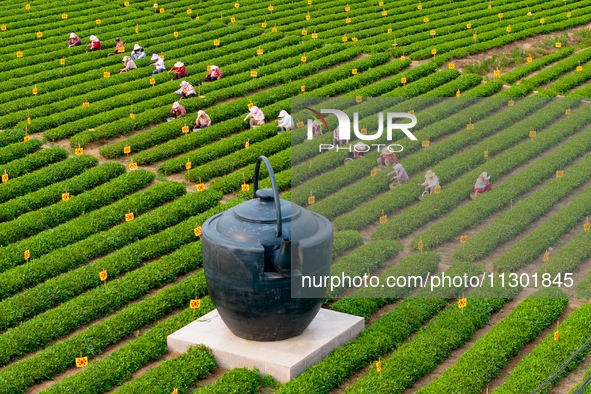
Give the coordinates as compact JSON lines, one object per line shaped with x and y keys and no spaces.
{"x":158,"y":63}
{"x":181,"y":70}
{"x":257,"y":117}
{"x":128,"y":64}
{"x":336,"y":139}
{"x":74,"y":40}
{"x":285,"y":122}
{"x":214,"y":74}
{"x":187,"y":90}
{"x":431,"y":180}
{"x":202,"y":120}
{"x":387,"y":158}
{"x":138,"y":52}
{"x":316,"y":131}
{"x":177,"y":111}
{"x":119,"y":48}
{"x":482,"y":183}
{"x":359,"y":150}
{"x":95,"y":43}
{"x":399,"y":173}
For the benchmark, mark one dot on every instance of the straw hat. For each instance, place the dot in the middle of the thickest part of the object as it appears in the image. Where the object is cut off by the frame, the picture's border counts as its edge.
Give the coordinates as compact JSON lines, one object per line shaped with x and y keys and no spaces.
{"x":179,"y":64}
{"x":485,"y":175}
{"x":155,"y":57}
{"x":200,"y":113}
{"x":387,"y":152}
{"x":136,"y":47}
{"x":73,"y":35}
{"x":126,"y":59}
{"x":282,"y":114}
{"x":429,"y":174}
{"x":93,"y":38}
{"x":214,"y":67}
{"x":175,"y":104}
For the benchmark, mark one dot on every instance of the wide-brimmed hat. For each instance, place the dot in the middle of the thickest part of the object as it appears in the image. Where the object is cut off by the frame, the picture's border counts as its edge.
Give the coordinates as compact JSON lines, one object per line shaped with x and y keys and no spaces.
{"x":282,"y":114}
{"x":93,"y":38}
{"x":126,"y":59}
{"x":429,"y":174}
{"x":155,"y":56}
{"x":184,"y":84}
{"x":398,"y":166}
{"x":200,"y":112}
{"x":175,"y":104}
{"x":214,"y":67}
{"x":136,"y":47}
{"x":179,"y":64}
{"x":387,"y":152}
{"x":73,"y":35}
{"x":485,"y":175}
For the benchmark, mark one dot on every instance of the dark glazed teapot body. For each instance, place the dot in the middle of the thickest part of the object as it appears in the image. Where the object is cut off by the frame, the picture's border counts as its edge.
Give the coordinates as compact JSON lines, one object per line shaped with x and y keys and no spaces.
{"x":254,"y":257}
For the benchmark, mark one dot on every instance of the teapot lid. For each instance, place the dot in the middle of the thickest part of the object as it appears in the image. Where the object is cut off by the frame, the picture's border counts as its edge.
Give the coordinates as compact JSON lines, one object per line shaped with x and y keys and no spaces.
{"x":263,"y":210}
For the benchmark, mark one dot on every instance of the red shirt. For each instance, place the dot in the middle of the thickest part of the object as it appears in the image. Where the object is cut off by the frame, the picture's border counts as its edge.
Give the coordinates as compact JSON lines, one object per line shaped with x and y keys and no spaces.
{"x":96,"y":45}
{"x":180,"y":110}
{"x":180,"y":70}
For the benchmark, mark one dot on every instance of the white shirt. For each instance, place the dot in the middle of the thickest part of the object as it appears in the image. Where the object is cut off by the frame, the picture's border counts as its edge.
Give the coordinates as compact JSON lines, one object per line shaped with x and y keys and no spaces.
{"x":286,"y":122}
{"x":432,"y":181}
{"x":159,"y":64}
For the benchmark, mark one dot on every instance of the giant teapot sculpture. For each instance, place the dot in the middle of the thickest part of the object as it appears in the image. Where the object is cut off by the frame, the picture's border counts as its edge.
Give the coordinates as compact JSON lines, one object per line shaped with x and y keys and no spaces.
{"x":254,"y":258}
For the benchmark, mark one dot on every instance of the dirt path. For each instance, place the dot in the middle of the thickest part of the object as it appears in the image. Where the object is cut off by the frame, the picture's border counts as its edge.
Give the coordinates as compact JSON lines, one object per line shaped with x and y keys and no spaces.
{"x":567,"y":383}
{"x":456,"y":354}
{"x":105,"y":353}
{"x":493,"y":384}
{"x":531,"y":46}
{"x":111,"y":348}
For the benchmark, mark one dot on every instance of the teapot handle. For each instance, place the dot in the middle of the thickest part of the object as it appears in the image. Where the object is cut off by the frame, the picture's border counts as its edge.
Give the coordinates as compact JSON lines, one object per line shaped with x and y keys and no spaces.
{"x":275,"y":190}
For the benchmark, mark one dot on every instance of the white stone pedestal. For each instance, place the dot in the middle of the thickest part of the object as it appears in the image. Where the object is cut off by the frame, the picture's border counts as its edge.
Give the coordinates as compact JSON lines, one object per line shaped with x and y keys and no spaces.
{"x":284,"y":360}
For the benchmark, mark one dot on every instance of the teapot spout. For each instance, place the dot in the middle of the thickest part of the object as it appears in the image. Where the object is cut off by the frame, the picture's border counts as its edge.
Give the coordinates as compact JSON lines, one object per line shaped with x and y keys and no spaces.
{"x":282,"y":257}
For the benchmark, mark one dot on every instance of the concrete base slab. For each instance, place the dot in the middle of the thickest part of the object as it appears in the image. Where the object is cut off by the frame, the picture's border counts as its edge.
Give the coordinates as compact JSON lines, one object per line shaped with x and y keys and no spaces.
{"x":284,"y":360}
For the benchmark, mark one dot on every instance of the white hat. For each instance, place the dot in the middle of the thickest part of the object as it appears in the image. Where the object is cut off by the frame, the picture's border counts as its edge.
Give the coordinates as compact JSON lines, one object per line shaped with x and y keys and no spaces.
{"x":387,"y":152}
{"x":254,"y":109}
{"x":184,"y":84}
{"x":360,"y":145}
{"x":282,"y":114}
{"x":200,"y":112}
{"x":136,"y":47}
{"x":429,"y":174}
{"x":93,"y":38}
{"x":398,"y":166}
{"x":73,"y":35}
{"x":485,"y":175}
{"x":179,"y":64}
{"x":175,"y":104}
{"x":126,"y":59}
{"x":214,"y":67}
{"x":155,"y":56}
